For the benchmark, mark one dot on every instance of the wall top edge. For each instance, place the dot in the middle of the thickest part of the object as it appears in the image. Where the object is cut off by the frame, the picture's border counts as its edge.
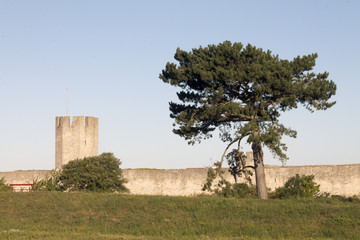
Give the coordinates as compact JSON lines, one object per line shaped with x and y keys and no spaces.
{"x":324,"y":165}
{"x":182,"y":169}
{"x":75,"y":116}
{"x":75,"y":121}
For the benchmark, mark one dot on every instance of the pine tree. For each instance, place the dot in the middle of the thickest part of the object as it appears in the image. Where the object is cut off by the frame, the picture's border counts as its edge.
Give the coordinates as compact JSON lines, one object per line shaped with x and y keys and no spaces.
{"x":242,"y":91}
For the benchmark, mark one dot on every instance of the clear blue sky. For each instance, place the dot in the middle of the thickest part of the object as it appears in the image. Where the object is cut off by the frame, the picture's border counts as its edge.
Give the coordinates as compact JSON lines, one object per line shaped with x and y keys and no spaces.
{"x":109,"y":55}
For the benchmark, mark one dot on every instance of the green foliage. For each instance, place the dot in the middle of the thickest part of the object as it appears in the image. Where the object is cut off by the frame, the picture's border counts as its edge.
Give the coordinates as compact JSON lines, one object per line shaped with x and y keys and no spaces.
{"x":211,"y":176}
{"x":226,"y":189}
{"x":237,"y":190}
{"x":92,"y":174}
{"x":298,"y":186}
{"x":49,"y":183}
{"x":95,"y":174}
{"x":242,"y":91}
{"x":237,"y":165}
{"x":4,"y":187}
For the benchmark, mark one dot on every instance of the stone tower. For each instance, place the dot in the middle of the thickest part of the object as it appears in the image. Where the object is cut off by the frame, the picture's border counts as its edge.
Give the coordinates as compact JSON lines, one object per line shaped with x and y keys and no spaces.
{"x":74,"y":140}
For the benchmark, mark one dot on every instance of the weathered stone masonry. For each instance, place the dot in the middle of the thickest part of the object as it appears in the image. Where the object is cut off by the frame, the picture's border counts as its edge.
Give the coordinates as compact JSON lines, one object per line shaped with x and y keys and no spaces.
{"x":336,"y":179}
{"x":74,"y":140}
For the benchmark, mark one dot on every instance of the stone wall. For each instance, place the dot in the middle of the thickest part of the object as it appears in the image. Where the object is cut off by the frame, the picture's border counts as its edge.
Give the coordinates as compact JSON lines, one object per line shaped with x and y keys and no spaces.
{"x":24,"y":176}
{"x":336,"y":179}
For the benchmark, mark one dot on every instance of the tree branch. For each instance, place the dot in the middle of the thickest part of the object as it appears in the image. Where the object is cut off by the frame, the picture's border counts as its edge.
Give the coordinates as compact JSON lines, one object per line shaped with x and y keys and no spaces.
{"x":249,"y":166}
{"x":227,"y":148}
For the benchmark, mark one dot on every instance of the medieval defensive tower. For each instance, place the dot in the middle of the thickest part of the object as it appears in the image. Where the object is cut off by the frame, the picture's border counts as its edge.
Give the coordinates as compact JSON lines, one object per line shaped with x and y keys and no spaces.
{"x":74,"y":140}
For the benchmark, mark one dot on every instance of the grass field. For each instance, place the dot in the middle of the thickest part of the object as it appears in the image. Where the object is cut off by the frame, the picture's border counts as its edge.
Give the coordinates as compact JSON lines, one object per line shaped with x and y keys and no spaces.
{"x":44,"y":215}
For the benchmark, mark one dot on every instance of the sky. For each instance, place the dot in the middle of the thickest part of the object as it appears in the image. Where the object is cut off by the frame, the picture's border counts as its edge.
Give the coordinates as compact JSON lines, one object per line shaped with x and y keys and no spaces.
{"x":109,"y":55}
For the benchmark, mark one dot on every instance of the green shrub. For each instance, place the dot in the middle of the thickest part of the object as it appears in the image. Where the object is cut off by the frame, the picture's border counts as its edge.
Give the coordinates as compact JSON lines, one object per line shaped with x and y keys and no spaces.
{"x":237,"y":190}
{"x":93,"y":174}
{"x":49,"y":183}
{"x":298,"y":186}
{"x":4,"y":187}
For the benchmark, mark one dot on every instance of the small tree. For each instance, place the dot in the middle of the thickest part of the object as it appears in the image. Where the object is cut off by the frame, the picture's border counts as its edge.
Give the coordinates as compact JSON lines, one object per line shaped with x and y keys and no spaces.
{"x":241,"y":92}
{"x":298,"y":186}
{"x":95,"y":174}
{"x":4,"y":187}
{"x":224,"y":188}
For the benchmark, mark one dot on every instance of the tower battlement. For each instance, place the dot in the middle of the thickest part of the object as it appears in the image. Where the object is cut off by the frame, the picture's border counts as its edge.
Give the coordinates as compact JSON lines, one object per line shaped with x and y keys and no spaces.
{"x":76,"y":121}
{"x":75,"y":139}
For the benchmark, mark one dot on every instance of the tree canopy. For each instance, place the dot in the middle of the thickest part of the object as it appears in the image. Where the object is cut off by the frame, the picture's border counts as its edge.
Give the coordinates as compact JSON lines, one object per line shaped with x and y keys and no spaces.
{"x":93,"y":174}
{"x":241,"y":91}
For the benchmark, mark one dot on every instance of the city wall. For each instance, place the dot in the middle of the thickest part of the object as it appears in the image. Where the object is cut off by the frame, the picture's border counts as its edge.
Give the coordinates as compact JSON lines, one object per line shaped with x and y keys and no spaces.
{"x":336,"y":179}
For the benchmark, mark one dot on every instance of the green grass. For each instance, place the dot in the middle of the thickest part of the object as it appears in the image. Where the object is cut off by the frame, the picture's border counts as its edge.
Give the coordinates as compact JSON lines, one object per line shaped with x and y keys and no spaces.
{"x":54,"y":215}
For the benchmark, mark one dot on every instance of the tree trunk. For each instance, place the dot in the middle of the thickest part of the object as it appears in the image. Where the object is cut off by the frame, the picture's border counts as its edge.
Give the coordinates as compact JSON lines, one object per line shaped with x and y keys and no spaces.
{"x":259,"y":171}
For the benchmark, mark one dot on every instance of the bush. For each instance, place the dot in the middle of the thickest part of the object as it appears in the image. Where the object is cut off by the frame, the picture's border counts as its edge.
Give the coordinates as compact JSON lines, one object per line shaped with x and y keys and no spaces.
{"x":94,"y":174}
{"x":237,"y":190}
{"x":298,"y":186}
{"x":49,"y":183}
{"x":4,"y":187}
